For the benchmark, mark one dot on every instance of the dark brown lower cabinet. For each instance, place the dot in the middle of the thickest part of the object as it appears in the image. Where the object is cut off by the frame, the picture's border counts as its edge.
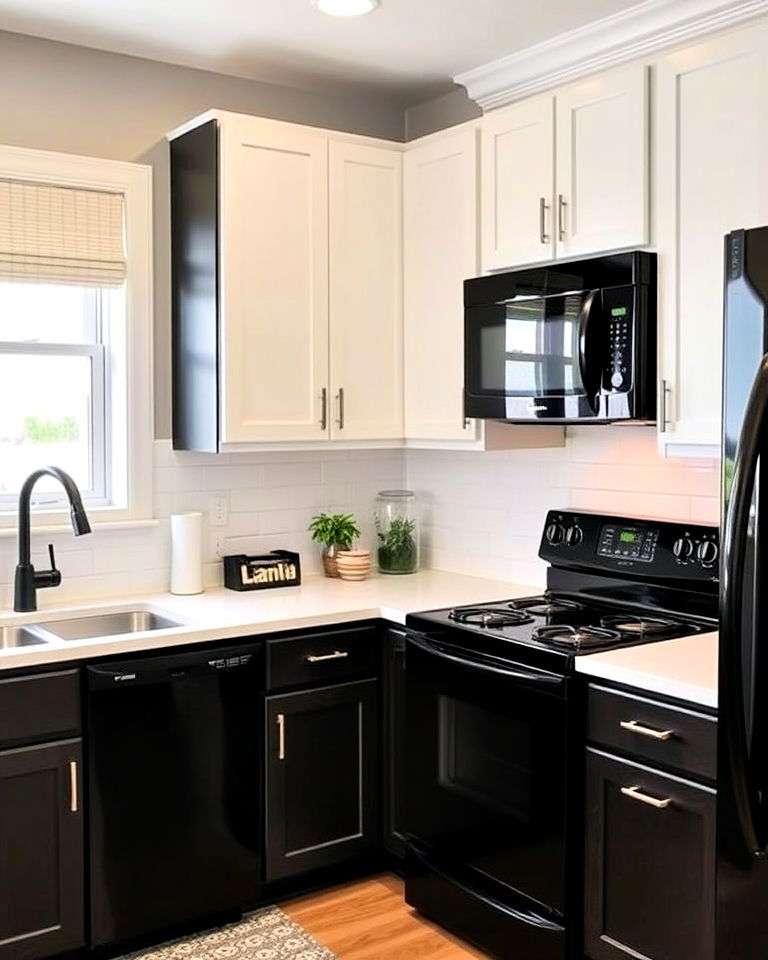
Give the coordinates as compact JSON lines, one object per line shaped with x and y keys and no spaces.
{"x":322,"y":777}
{"x":41,"y":851}
{"x":650,"y":863}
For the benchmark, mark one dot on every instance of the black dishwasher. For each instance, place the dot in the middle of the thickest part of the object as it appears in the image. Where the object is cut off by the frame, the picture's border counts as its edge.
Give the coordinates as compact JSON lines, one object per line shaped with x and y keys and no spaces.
{"x":174,"y":763}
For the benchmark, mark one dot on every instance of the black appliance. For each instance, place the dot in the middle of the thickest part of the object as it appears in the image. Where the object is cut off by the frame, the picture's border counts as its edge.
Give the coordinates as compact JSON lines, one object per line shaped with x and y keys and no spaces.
{"x":494,"y":726}
{"x":742,"y":797}
{"x":174,"y":764}
{"x":568,"y":342}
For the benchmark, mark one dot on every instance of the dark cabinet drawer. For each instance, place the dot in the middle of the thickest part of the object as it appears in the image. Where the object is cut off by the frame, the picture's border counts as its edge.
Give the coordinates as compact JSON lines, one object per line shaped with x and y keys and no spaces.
{"x":650,"y":863}
{"x":39,"y":708}
{"x":672,"y":736}
{"x":322,"y":658}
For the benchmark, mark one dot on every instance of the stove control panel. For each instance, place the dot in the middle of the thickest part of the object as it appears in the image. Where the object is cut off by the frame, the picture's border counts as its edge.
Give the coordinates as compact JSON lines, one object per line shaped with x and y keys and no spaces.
{"x":655,"y":549}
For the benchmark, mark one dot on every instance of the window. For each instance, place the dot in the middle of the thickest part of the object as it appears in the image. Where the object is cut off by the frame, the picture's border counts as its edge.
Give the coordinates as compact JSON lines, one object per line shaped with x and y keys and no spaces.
{"x":75,"y":369}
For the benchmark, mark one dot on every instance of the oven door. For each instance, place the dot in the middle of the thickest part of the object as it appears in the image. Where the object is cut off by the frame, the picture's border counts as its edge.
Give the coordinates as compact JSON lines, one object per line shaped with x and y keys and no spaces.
{"x":536,"y":358}
{"x":486,"y":768}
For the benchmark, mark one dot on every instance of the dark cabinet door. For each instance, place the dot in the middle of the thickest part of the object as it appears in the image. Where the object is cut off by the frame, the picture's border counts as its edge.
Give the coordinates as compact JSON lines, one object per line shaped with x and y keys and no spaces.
{"x":650,"y":880}
{"x":393,"y":743}
{"x":322,"y":777}
{"x":41,"y":851}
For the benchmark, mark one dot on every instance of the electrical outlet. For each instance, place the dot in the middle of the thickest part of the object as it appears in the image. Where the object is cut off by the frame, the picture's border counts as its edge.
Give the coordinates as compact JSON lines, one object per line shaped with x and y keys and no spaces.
{"x":219,"y":547}
{"x":219,"y":511}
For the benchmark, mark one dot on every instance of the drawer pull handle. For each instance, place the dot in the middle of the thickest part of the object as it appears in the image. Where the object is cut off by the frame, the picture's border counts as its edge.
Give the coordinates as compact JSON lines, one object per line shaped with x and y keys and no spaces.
{"x":634,"y":794}
{"x":73,"y":786}
{"x":634,"y":727}
{"x":281,"y":736}
{"x":336,"y":655}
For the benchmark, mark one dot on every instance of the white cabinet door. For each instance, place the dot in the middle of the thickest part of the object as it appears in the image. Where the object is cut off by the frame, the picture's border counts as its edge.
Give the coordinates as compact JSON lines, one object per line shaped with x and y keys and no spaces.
{"x":602,"y":163}
{"x":518,"y":158}
{"x":366,"y":292}
{"x":274,"y":282}
{"x":711,"y":143}
{"x":440,"y":252}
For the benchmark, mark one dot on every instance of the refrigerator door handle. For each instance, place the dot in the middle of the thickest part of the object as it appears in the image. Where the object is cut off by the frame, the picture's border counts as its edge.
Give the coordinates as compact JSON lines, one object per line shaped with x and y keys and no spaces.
{"x":734,"y":562}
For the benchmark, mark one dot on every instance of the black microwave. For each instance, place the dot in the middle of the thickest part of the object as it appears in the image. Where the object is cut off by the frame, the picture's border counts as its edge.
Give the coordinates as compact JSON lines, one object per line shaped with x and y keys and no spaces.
{"x":571,"y":342}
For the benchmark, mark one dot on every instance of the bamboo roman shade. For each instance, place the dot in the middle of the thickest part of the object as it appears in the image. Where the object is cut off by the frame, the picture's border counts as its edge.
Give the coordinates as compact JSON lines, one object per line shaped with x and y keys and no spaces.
{"x":53,"y":234}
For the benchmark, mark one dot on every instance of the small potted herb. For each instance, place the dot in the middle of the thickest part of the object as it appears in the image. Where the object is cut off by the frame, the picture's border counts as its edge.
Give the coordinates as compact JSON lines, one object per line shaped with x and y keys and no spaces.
{"x":336,"y":531}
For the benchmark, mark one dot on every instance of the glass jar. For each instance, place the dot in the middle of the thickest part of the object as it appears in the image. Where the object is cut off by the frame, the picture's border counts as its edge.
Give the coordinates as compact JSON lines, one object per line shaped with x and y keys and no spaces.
{"x":396,"y":519}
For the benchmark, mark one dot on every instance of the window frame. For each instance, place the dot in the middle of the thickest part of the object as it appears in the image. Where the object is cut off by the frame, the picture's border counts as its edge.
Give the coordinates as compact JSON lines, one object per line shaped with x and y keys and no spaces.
{"x":125,"y":380}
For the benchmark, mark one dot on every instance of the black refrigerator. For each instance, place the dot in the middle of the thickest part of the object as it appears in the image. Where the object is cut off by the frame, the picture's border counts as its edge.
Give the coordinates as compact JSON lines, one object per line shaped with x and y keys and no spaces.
{"x":742,"y":814}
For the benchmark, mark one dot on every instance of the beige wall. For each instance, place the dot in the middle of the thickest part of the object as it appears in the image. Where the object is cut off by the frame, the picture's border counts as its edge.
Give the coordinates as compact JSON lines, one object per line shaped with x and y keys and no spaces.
{"x":55,"y":96}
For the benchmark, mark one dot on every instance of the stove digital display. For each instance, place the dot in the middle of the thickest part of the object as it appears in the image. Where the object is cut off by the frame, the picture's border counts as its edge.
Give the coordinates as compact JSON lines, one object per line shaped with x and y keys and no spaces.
{"x":628,"y":543}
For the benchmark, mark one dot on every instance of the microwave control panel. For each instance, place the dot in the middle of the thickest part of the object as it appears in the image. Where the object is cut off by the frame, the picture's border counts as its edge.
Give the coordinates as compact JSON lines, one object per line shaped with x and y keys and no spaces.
{"x":618,"y":304}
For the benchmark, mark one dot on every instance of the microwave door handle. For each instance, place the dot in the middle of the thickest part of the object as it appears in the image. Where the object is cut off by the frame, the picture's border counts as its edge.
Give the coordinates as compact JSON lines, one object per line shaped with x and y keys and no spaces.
{"x":528,"y":675}
{"x":590,"y":375}
{"x":735,"y":538}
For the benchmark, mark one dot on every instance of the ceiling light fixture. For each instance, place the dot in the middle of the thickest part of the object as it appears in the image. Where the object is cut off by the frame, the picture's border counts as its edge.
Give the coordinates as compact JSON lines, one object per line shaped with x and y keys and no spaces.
{"x":346,"y":8}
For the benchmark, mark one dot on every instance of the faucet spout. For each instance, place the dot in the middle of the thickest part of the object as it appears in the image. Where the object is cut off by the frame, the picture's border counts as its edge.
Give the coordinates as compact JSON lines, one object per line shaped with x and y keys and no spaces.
{"x":28,"y":580}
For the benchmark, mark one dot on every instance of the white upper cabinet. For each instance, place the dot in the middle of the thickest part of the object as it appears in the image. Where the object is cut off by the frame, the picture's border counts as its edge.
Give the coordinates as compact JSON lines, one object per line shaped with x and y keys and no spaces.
{"x":602,"y":164}
{"x":273,"y":282}
{"x":366,"y":342}
{"x":518,"y":157}
{"x":441,"y":251}
{"x":567,"y":175}
{"x":711,"y":141}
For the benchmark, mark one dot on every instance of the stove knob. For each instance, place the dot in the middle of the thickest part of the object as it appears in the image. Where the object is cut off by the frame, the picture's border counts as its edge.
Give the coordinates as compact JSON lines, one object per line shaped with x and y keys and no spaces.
{"x":554,"y":533}
{"x":574,"y":536}
{"x":708,"y":552}
{"x":683,"y":548}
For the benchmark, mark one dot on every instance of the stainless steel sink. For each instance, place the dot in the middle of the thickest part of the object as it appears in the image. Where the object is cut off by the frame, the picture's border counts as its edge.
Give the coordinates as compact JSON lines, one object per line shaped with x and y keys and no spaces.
{"x":106,"y":625}
{"x":19,"y":637}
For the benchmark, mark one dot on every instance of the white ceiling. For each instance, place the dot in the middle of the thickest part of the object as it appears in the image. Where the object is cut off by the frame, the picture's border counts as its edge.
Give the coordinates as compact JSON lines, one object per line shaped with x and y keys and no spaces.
{"x":407,"y":47}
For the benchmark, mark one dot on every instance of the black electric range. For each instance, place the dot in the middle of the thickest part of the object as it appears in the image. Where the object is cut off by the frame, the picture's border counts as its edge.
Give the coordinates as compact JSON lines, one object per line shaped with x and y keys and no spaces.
{"x":494,"y":814}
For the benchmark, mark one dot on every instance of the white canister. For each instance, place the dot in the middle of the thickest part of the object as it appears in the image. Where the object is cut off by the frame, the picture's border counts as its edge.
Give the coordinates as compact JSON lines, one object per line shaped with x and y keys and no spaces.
{"x":186,"y":553}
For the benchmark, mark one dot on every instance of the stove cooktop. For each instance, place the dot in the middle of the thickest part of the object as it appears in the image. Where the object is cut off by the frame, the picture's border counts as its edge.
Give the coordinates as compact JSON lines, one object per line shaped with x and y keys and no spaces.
{"x":562,"y":623}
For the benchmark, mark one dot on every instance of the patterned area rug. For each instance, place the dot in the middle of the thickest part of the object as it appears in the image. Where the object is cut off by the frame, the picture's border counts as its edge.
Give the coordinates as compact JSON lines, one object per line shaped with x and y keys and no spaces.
{"x":266,"y":935}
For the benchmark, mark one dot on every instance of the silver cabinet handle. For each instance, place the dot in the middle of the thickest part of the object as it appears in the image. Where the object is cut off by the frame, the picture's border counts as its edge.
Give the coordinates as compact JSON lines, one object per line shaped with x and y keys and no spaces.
{"x":543,"y":208}
{"x":336,"y":655}
{"x":664,"y":391}
{"x":324,"y":409}
{"x":634,"y":794}
{"x":561,"y":205}
{"x":281,"y":736}
{"x":634,"y":727}
{"x":73,"y":786}
{"x":340,"y":398}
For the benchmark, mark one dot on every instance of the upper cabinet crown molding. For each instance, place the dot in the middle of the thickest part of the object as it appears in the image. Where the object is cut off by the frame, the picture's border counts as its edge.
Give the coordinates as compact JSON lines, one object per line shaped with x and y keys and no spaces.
{"x":639,"y":31}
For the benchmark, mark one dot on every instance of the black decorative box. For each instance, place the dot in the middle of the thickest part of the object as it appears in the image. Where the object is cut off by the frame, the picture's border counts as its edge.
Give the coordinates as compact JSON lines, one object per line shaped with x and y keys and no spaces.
{"x":280,"y":568}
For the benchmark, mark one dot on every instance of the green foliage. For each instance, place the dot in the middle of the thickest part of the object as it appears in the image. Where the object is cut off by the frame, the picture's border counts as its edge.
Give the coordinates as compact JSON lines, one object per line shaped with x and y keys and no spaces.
{"x":331,"y":529}
{"x":397,"y":545}
{"x":51,"y":431}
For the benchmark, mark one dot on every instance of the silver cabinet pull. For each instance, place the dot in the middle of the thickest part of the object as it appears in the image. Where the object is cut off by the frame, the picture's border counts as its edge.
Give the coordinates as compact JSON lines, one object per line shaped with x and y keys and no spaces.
{"x":543,"y":208}
{"x":340,"y":398}
{"x":561,"y":205}
{"x":324,"y":409}
{"x":634,"y":794}
{"x":73,"y":786}
{"x":664,"y":391}
{"x":281,"y":736}
{"x":634,"y":727}
{"x":336,"y":655}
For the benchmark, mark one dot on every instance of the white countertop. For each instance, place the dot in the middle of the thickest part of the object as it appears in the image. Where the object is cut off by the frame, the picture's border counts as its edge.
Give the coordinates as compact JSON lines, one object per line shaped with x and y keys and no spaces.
{"x":684,"y":668}
{"x":220,"y":614}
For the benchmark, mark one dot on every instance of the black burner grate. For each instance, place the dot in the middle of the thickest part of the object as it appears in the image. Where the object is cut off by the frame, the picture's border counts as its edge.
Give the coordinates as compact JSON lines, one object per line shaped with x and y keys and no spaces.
{"x":490,"y":617}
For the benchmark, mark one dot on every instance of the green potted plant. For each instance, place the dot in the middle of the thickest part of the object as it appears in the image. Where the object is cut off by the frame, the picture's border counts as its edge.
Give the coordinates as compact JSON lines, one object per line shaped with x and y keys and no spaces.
{"x":397,"y":548}
{"x":336,"y":531}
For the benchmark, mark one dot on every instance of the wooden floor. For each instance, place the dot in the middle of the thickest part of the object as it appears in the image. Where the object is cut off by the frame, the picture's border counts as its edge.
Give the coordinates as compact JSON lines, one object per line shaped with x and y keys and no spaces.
{"x":369,"y":920}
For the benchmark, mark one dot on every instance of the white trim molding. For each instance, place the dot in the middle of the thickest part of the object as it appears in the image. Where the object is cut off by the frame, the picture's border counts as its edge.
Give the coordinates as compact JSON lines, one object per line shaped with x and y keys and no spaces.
{"x":633,"y":33}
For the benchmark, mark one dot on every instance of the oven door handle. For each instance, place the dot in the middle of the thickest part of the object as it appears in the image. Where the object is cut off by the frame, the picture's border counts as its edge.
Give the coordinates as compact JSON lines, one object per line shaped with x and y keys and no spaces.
{"x":529,"y":917}
{"x":527,"y":674}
